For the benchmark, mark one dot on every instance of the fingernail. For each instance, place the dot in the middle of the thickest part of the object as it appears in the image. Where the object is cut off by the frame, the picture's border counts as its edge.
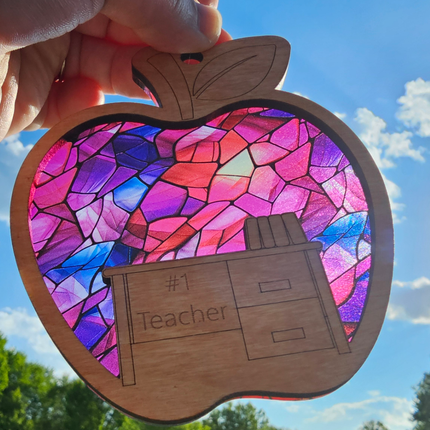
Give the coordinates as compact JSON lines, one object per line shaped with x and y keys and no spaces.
{"x":211,"y":3}
{"x":210,"y":22}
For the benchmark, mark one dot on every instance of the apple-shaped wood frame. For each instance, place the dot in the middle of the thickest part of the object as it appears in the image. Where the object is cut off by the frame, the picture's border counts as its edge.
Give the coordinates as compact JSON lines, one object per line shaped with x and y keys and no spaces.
{"x":190,"y":91}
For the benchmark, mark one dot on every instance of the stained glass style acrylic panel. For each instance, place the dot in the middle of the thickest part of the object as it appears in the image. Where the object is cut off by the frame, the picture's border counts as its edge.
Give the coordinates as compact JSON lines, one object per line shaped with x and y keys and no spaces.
{"x":129,"y":193}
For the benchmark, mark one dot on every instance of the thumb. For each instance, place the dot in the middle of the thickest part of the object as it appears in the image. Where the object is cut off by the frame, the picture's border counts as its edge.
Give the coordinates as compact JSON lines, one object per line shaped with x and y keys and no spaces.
{"x":23,"y":22}
{"x":175,"y":26}
{"x":168,"y":25}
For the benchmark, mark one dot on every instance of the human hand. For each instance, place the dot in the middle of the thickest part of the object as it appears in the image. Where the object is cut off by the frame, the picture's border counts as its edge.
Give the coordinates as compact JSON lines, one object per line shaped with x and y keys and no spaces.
{"x":95,"y":40}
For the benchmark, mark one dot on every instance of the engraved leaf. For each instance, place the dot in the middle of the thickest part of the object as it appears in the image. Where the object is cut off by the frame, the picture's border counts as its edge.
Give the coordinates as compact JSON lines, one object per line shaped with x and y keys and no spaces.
{"x":234,"y":73}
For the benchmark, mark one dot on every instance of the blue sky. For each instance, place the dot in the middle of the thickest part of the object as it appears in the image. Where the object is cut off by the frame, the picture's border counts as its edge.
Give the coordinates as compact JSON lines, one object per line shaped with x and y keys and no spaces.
{"x":369,"y":62}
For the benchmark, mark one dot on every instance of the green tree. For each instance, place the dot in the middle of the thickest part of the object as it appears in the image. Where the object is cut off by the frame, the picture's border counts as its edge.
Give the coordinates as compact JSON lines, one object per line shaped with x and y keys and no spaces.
{"x":117,"y":421}
{"x":373,"y":425}
{"x":24,"y":389}
{"x":421,"y":415}
{"x":70,"y":405}
{"x":238,"y":417}
{"x":32,"y":398}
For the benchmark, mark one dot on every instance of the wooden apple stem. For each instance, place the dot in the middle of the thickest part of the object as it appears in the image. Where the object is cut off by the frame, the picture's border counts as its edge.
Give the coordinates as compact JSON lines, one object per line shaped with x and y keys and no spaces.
{"x":162,"y":76}
{"x":193,"y":85}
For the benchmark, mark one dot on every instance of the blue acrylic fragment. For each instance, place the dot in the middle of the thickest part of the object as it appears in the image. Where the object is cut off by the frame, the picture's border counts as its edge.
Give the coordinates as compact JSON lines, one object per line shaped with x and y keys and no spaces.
{"x":128,"y":195}
{"x":155,"y":170}
{"x":276,"y":113}
{"x":93,"y":256}
{"x":147,"y":131}
{"x":145,"y":152}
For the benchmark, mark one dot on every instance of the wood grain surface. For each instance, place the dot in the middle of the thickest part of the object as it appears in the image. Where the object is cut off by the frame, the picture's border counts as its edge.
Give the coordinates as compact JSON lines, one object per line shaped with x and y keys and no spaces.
{"x":194,"y":333}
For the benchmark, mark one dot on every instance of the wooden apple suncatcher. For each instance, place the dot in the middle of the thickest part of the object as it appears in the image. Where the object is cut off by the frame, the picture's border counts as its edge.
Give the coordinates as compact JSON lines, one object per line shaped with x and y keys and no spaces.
{"x":234,"y":241}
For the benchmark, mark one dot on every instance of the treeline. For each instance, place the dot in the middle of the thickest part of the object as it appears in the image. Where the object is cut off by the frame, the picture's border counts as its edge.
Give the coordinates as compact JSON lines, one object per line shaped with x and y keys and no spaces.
{"x":32,"y":398}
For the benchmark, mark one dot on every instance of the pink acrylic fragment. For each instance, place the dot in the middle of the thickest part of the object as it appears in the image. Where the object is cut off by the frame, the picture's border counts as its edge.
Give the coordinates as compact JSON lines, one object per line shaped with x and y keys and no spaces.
{"x":61,"y":211}
{"x":227,"y":188}
{"x":231,"y":145}
{"x":39,"y":245}
{"x":111,"y":362}
{"x":42,"y":178}
{"x":321,"y":174}
{"x":199,"y":145}
{"x":166,"y":140}
{"x":313,"y":131}
{"x":65,"y":240}
{"x":265,"y":153}
{"x":292,"y":199}
{"x":131,"y":240}
{"x":355,"y":200}
{"x":68,"y":294}
{"x":363,"y":266}
{"x":121,"y":175}
{"x":309,"y":183}
{"x":130,"y":125}
{"x":343,"y":163}
{"x":78,"y":201}
{"x":73,"y":159}
{"x":303,"y":136}
{"x":49,"y":284}
{"x":72,"y":315}
{"x":93,"y":144}
{"x":42,"y":227}
{"x":341,"y":213}
{"x":57,"y":162}
{"x":254,"y":205}
{"x":337,"y":261}
{"x":107,"y":342}
{"x":235,"y":244}
{"x":266,"y":184}
{"x":168,"y":257}
{"x":252,"y":128}
{"x":151,"y":243}
{"x":55,"y":191}
{"x":198,"y":193}
{"x":91,"y":130}
{"x":88,"y":217}
{"x":32,"y":210}
{"x":318,"y":214}
{"x":336,"y":188}
{"x":287,"y":136}
{"x":208,"y":213}
{"x":164,"y":228}
{"x":341,"y":288}
{"x":294,"y":165}
{"x":189,"y":249}
{"x":95,"y":299}
{"x":209,"y":242}
{"x":223,"y":227}
{"x":217,"y":121}
{"x":111,"y":222}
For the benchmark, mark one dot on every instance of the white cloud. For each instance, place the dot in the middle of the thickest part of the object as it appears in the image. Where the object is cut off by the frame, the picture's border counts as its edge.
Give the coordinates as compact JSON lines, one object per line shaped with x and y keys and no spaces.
{"x":340,"y":115}
{"x":17,"y":323}
{"x":293,"y":407}
{"x":12,"y":154}
{"x":385,"y":147}
{"x":410,"y":301}
{"x":394,"y":193}
{"x":300,"y":94}
{"x":414,"y":109}
{"x":395,"y":412}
